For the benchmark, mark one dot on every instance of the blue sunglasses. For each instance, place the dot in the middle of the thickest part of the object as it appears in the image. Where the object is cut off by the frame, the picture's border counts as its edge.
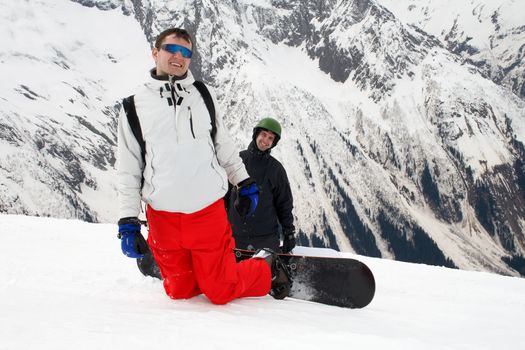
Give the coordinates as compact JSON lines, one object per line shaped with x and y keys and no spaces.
{"x":174,"y":48}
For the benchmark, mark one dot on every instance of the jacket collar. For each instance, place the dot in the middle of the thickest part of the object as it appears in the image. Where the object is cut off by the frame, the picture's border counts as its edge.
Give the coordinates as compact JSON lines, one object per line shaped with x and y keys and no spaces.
{"x":186,"y":79}
{"x":164,"y":83}
{"x":252,"y":148}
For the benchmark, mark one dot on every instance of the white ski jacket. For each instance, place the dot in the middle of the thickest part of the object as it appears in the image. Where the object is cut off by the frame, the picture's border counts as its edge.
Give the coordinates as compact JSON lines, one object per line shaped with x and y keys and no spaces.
{"x":185,"y":169}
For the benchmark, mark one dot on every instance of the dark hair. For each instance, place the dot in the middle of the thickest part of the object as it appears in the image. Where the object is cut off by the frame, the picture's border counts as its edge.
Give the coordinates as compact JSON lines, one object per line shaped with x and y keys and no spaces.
{"x":179,"y":33}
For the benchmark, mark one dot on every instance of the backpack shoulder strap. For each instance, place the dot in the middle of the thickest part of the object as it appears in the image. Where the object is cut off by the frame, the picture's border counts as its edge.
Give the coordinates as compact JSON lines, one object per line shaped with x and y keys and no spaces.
{"x":205,"y":93}
{"x":134,"y":123}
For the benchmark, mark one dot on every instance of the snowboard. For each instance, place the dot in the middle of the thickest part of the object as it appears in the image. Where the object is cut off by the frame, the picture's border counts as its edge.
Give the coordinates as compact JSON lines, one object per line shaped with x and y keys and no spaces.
{"x":333,"y":281}
{"x":148,"y":266}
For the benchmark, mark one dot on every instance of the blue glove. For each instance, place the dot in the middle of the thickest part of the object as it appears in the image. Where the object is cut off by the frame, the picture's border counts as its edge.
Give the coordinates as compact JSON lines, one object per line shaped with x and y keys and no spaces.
{"x":247,"y":198}
{"x":132,"y":242}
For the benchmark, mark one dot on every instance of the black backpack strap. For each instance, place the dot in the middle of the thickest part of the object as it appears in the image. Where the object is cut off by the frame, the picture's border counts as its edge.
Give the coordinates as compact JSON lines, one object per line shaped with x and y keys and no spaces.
{"x":134,"y":123}
{"x":205,"y":93}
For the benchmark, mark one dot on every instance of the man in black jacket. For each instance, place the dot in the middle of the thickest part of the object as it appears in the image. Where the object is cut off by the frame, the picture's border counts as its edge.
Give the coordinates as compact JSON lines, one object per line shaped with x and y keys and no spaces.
{"x":273,"y":215}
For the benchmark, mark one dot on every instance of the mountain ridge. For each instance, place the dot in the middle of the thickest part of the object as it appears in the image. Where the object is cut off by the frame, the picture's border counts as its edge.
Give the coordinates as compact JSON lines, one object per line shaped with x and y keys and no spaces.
{"x":395,"y":146}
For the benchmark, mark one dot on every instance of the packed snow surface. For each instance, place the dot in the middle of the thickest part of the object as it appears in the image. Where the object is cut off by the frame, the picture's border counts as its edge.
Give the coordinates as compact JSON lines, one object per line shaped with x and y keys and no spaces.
{"x":66,"y":285}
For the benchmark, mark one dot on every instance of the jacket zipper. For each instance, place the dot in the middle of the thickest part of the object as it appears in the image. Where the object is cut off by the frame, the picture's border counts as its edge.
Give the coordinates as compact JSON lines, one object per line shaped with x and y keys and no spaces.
{"x":191,"y":122}
{"x":174,"y":102}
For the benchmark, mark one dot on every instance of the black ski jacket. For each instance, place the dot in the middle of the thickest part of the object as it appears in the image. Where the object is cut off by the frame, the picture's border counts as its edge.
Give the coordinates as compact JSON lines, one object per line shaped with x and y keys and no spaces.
{"x":274,"y":210}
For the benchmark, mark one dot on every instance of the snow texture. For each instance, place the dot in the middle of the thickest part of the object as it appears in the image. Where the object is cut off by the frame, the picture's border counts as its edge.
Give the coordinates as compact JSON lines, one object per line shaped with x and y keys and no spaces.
{"x":66,"y":285}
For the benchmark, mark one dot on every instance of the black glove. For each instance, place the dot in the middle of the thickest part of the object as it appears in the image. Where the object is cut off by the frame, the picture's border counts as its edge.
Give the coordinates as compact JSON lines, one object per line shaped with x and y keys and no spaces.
{"x":247,"y":197}
{"x":288,"y":241}
{"x":133,"y":243}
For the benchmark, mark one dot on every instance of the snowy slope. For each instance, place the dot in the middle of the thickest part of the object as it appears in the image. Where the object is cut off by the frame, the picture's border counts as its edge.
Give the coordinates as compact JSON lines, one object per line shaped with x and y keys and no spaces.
{"x":66,"y":285}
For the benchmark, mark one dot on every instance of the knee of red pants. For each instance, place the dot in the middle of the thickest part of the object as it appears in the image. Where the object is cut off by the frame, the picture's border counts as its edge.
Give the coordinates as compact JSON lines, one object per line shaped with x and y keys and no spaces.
{"x":219,"y":281}
{"x":220,"y":294}
{"x":181,"y":286}
{"x":256,"y":276}
{"x":253,"y":280}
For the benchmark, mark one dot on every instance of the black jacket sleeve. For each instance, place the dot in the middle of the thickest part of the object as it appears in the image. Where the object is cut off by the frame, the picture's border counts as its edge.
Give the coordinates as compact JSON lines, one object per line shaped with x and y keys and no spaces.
{"x":228,"y":197}
{"x":283,"y":200}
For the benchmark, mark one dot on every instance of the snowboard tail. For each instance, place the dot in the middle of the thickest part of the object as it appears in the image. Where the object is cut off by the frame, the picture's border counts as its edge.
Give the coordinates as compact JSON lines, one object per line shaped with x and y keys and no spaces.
{"x":148,"y":266}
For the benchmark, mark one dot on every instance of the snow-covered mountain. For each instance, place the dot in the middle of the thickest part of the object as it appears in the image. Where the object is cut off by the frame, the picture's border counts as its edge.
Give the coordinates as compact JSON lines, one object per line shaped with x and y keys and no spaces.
{"x":396,"y":145}
{"x":488,"y":34}
{"x":62,"y":78}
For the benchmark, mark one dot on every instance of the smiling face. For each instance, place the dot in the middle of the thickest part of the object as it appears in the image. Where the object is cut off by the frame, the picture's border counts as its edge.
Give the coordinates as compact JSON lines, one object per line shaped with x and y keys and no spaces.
{"x":264,"y":140}
{"x":171,"y":63}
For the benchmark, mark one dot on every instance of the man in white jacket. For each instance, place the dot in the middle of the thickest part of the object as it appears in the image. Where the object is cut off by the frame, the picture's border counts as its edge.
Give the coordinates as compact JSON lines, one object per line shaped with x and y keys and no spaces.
{"x":182,"y":177}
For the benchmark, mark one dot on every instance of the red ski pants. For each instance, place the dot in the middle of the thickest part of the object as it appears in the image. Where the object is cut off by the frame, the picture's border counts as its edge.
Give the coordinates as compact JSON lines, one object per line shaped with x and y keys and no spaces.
{"x":195,"y":255}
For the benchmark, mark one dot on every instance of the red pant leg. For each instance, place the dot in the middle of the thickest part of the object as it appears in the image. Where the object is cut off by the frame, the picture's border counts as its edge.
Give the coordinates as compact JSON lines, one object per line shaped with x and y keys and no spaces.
{"x":218,"y":275}
{"x":174,"y":262}
{"x":210,"y":266}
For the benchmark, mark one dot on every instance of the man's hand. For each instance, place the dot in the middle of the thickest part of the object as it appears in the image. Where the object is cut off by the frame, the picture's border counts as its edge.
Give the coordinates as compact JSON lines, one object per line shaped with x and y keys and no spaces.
{"x":133,"y":243}
{"x":247,"y":197}
{"x":288,"y":241}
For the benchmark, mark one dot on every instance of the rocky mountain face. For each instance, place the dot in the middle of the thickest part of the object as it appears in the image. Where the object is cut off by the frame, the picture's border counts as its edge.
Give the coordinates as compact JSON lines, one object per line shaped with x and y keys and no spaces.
{"x":486,"y":34}
{"x":396,"y":145}
{"x":59,"y":105}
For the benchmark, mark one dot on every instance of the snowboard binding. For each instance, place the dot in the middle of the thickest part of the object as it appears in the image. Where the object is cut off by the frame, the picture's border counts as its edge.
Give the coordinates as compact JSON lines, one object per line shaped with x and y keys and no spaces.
{"x":281,"y":274}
